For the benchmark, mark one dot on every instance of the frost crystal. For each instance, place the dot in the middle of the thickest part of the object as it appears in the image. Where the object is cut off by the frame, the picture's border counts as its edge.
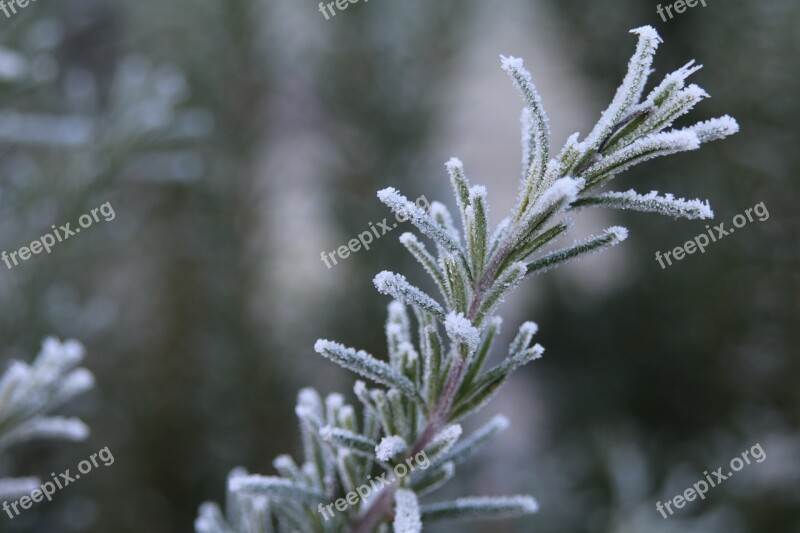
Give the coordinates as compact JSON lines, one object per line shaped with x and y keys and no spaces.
{"x":461,"y":330}
{"x":453,"y":163}
{"x":562,"y":191}
{"x":389,"y":447}
{"x":632,"y":85}
{"x":715,"y":128}
{"x":407,"y":517}
{"x":398,"y":287}
{"x":619,"y":233}
{"x":653,"y":203}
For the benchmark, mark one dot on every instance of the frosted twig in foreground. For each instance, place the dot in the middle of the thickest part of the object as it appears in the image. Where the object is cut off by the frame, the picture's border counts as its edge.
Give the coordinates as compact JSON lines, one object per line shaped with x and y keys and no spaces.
{"x":436,"y":377}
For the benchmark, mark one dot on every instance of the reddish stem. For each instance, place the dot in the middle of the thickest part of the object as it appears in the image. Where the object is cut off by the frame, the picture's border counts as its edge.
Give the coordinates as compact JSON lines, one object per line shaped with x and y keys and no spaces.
{"x":378,"y":510}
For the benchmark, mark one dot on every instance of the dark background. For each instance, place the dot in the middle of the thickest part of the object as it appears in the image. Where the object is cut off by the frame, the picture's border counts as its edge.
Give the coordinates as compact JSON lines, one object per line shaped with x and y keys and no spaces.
{"x":236,"y":140}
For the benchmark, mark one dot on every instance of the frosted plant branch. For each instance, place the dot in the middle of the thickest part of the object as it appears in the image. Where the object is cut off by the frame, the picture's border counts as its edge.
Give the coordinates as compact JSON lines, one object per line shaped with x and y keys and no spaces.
{"x":436,"y":373}
{"x":29,"y":393}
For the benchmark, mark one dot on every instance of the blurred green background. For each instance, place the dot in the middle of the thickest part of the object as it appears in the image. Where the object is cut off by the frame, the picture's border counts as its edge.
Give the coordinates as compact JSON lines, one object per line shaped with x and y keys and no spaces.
{"x":237,"y":140}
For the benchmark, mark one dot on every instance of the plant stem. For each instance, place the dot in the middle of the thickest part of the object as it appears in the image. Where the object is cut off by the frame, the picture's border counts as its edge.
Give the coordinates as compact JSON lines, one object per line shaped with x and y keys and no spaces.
{"x":378,"y":510}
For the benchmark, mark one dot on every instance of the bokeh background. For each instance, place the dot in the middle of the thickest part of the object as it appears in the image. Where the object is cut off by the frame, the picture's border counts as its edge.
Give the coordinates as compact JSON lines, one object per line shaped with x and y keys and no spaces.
{"x":237,"y":140}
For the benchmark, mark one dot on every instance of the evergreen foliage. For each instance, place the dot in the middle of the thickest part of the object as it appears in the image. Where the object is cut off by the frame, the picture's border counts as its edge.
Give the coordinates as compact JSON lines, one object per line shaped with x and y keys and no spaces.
{"x":435,"y":374}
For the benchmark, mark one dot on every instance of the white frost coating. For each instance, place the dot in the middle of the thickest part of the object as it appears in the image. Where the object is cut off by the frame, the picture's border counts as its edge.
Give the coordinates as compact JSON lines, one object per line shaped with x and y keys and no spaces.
{"x":454,"y":163}
{"x":673,"y":81}
{"x":528,"y":142}
{"x":334,"y":400}
{"x":426,"y":224}
{"x":77,"y":382}
{"x":477,"y":191}
{"x":500,"y":423}
{"x":393,"y":329}
{"x":235,"y":483}
{"x":610,"y":237}
{"x":645,"y":149}
{"x":334,"y":403}
{"x":55,"y":427}
{"x":695,"y":92}
{"x":407,"y":238}
{"x":310,"y":470}
{"x":539,"y":135}
{"x":360,"y":388}
{"x":347,"y":413}
{"x":571,"y":150}
{"x":553,"y":170}
{"x":530,"y":328}
{"x":390,"y":446}
{"x":630,"y":91}
{"x":484,"y":507}
{"x":531,"y":354}
{"x":397,"y":325}
{"x":649,"y":33}
{"x":447,"y":437}
{"x":511,"y":63}
{"x":342,"y":454}
{"x":13,"y":488}
{"x":29,"y":392}
{"x":715,"y":128}
{"x":408,"y":349}
{"x":13,"y":65}
{"x":442,"y":216}
{"x":562,"y":190}
{"x":523,"y":338}
{"x":500,"y":230}
{"x":675,"y":106}
{"x":397,"y":308}
{"x":406,"y":514}
{"x":619,"y":233}
{"x":396,"y":286}
{"x":309,"y":404}
{"x":559,"y":195}
{"x":665,"y":205}
{"x":461,"y":330}
{"x":58,"y":355}
{"x":209,"y":519}
{"x":285,"y":461}
{"x":523,"y":81}
{"x":364,"y":364}
{"x":308,"y":397}
{"x":17,"y":374}
{"x":272,"y":486}
{"x":304,"y":411}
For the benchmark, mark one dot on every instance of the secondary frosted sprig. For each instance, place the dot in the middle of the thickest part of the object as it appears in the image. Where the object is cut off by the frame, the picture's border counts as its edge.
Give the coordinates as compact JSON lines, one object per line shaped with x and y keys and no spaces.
{"x":29,"y":393}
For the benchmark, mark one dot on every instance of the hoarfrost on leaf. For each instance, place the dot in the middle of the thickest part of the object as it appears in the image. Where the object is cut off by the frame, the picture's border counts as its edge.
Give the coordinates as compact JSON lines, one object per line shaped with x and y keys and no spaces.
{"x":389,"y":447}
{"x":461,"y":330}
{"x":407,"y":516}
